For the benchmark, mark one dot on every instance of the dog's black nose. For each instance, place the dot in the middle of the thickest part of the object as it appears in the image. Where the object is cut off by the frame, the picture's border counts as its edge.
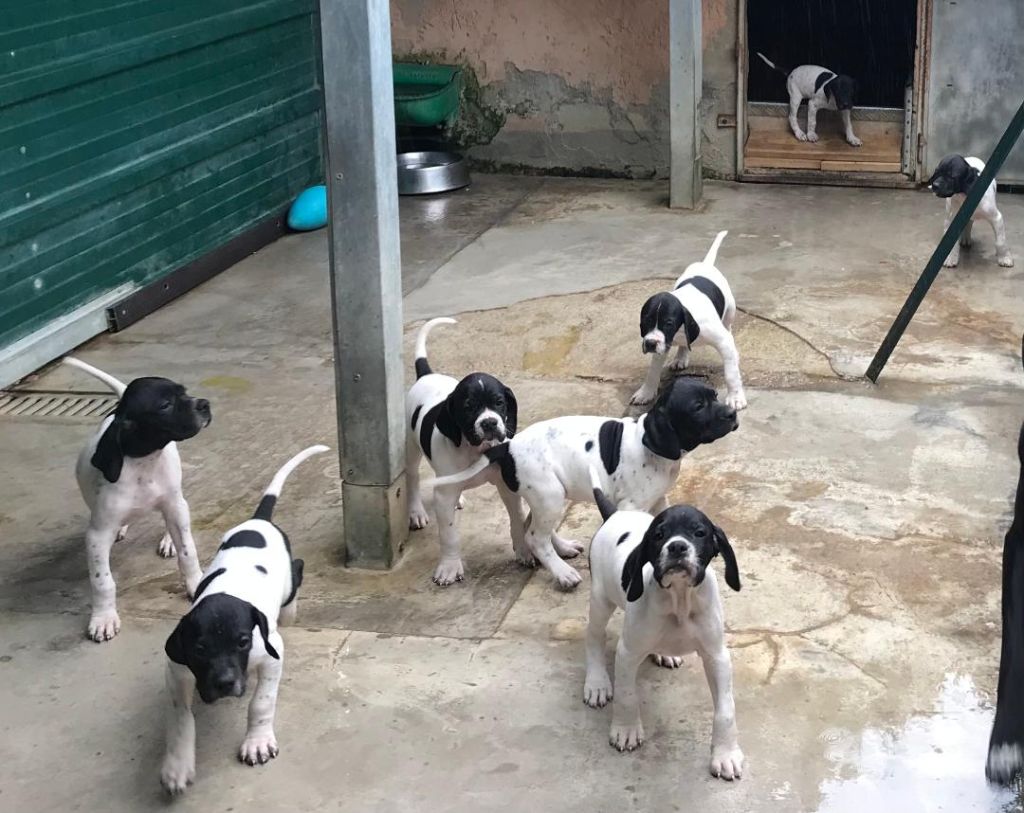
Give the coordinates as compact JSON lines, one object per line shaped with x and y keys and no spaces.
{"x":650,"y":345}
{"x":489,"y":424}
{"x":203,"y":406}
{"x":677,"y":548}
{"x":224,"y":682}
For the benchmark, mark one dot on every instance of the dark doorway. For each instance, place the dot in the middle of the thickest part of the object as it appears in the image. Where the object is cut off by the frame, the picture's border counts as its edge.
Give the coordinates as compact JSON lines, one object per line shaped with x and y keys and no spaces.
{"x":870,"y":40}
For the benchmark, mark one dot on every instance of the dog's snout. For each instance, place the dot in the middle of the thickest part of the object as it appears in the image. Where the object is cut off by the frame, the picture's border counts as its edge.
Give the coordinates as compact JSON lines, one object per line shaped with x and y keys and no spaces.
{"x":203,"y":406}
{"x":489,"y":424}
{"x":677,"y":548}
{"x":224,"y":682}
{"x":650,"y":345}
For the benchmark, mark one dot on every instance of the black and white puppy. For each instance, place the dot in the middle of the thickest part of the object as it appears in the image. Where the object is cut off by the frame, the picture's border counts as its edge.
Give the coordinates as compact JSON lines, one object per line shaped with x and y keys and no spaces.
{"x":549,"y":462}
{"x":821,"y":88}
{"x":952,"y":180}
{"x":452,"y":423}
{"x":656,"y":570}
{"x":700,"y":309}
{"x":131,"y":467}
{"x":249,"y":586}
{"x":1005,"y":762}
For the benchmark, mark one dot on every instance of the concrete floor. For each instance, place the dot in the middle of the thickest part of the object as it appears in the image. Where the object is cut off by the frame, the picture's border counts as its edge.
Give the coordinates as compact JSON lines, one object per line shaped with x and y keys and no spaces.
{"x":867,"y":521}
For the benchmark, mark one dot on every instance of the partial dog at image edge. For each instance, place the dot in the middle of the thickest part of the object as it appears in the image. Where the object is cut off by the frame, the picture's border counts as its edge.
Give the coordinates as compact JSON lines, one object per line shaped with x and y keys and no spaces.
{"x":952,"y":180}
{"x":823,"y":89}
{"x":231,"y":628}
{"x":700,"y":309}
{"x":549,"y":463}
{"x":130,"y":467}
{"x":656,"y":569}
{"x":452,"y":423}
{"x":1005,"y":762}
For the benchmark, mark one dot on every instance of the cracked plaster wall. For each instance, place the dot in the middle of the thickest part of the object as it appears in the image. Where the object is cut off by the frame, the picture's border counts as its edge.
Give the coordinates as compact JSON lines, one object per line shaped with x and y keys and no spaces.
{"x":572,"y":86}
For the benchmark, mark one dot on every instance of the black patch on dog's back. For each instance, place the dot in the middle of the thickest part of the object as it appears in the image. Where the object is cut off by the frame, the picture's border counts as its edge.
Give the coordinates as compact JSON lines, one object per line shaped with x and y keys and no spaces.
{"x":245,"y":538}
{"x":220,"y":571}
{"x":261,"y":569}
{"x":609,"y":439}
{"x":415,"y":415}
{"x":710,"y":290}
{"x":438,"y":416}
{"x":823,"y":77}
{"x":622,"y":539}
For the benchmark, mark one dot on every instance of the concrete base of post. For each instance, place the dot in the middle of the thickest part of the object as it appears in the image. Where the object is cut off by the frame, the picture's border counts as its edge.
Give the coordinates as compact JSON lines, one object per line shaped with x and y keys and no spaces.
{"x":375,"y":524}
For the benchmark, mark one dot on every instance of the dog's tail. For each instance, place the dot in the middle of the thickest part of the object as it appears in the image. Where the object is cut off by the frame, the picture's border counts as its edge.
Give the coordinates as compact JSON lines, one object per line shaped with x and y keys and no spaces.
{"x":266,"y":507}
{"x":422,"y":365}
{"x":496,"y":454}
{"x":604,"y":505}
{"x":117,"y":386}
{"x":772,"y":65}
{"x":712,"y":254}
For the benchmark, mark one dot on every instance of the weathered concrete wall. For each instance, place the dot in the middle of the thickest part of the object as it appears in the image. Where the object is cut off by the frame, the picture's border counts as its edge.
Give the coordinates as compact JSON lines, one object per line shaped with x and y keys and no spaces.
{"x":574,"y":86}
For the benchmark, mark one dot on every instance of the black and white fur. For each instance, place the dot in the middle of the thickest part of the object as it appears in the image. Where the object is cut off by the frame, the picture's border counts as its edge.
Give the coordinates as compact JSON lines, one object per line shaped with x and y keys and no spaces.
{"x":249,"y":586}
{"x":700,"y":309}
{"x":952,"y":180}
{"x":821,"y":88}
{"x":549,"y":463}
{"x":656,"y":570}
{"x":452,"y":423}
{"x":129,"y":468}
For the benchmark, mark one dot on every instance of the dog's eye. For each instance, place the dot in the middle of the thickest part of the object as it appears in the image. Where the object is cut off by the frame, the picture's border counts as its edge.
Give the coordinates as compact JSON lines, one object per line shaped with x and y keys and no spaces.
{"x":499,"y":401}
{"x":244,"y":642}
{"x":700,"y":533}
{"x":165,"y":406}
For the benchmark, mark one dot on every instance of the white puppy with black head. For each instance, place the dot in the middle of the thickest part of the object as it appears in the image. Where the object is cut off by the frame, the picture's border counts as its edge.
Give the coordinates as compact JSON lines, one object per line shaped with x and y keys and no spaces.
{"x":249,"y":586}
{"x":549,"y":463}
{"x":700,"y":309}
{"x":952,"y":180}
{"x":656,"y":570}
{"x":452,"y":423}
{"x":823,"y":89}
{"x":130,"y":468}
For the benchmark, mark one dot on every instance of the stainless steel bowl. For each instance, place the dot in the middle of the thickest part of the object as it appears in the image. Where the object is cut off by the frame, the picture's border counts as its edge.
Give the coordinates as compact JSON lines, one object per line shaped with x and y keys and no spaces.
{"x":426,"y":173}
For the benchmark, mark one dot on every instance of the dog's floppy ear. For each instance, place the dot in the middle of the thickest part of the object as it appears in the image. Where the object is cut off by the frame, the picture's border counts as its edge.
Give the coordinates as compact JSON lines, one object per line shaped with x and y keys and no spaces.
{"x":260,"y":620}
{"x":446,"y":423}
{"x":633,"y":573}
{"x":108,"y":457}
{"x":659,"y":434}
{"x":512,"y":413}
{"x":178,"y":642}
{"x":732,"y":571}
{"x":970,"y":177}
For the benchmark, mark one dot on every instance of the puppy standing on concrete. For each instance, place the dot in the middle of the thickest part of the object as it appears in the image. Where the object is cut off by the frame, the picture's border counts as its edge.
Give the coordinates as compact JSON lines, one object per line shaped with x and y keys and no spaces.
{"x":452,"y":423}
{"x":655,"y":569}
{"x":131,"y":467}
{"x":821,"y":88}
{"x":952,"y":180}
{"x":700,"y":309}
{"x":550,"y":462}
{"x":250,"y":584}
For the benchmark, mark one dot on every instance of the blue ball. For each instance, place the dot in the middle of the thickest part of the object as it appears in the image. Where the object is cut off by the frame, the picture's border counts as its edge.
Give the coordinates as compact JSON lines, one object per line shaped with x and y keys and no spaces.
{"x":309,"y":210}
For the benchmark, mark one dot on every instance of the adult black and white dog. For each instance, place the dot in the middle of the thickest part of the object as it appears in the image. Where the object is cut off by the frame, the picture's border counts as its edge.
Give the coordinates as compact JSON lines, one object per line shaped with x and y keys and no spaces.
{"x":656,"y":570}
{"x":249,"y":586}
{"x":821,"y":88}
{"x":131,"y":467}
{"x":700,"y":309}
{"x":452,"y":423}
{"x":549,"y":462}
{"x":952,"y":180}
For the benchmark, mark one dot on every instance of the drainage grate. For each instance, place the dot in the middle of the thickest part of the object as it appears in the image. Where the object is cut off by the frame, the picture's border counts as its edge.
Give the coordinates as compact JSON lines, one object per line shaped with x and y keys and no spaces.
{"x":63,"y":406}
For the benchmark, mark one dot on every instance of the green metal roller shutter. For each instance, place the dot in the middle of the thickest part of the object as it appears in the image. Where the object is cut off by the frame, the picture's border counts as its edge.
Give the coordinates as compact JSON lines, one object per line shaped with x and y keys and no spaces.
{"x":138,"y":135}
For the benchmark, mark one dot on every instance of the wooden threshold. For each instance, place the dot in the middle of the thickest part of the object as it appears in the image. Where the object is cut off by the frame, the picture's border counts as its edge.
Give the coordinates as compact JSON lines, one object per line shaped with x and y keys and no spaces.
{"x":771,"y":145}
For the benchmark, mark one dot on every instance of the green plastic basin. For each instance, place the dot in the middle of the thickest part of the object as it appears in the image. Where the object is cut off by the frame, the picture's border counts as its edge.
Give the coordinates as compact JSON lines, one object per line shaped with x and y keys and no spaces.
{"x":426,"y":95}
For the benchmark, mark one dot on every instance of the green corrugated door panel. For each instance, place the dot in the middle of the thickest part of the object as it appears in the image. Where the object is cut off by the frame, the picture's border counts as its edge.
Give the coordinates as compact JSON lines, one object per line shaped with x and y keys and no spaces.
{"x":138,"y":135}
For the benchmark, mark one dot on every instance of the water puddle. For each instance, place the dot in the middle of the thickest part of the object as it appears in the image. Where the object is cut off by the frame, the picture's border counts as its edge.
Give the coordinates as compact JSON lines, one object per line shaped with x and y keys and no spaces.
{"x":932,"y":763}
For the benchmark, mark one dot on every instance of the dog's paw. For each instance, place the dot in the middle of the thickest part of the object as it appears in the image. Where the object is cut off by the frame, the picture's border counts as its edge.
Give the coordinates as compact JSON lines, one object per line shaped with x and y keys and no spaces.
{"x":461,"y":503}
{"x":122,"y":534}
{"x":418,"y":517}
{"x":566,"y":548}
{"x":736,"y":400}
{"x":641,"y":397}
{"x":568,"y":578}
{"x":679,"y":364}
{"x":1006,"y":261}
{"x":258,"y":748}
{"x":104,"y":626}
{"x":951,"y":262}
{"x":727,"y":763}
{"x":855,"y":142}
{"x":626,"y":737}
{"x":448,"y":571}
{"x":524,"y":556}
{"x":165,"y":547}
{"x":177,"y":773}
{"x":800,"y":135}
{"x":812,"y":137}
{"x":668,"y":661}
{"x":597,"y":691}
{"x":966,"y":241}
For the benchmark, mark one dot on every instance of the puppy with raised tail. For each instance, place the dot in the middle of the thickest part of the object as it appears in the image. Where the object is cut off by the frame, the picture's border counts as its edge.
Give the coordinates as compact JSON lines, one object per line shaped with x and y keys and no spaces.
{"x":700,"y":309}
{"x":821,"y":88}
{"x":231,"y":629}
{"x":952,"y":180}
{"x":549,"y":463}
{"x":129,"y":468}
{"x":452,"y":423}
{"x":656,"y":570}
